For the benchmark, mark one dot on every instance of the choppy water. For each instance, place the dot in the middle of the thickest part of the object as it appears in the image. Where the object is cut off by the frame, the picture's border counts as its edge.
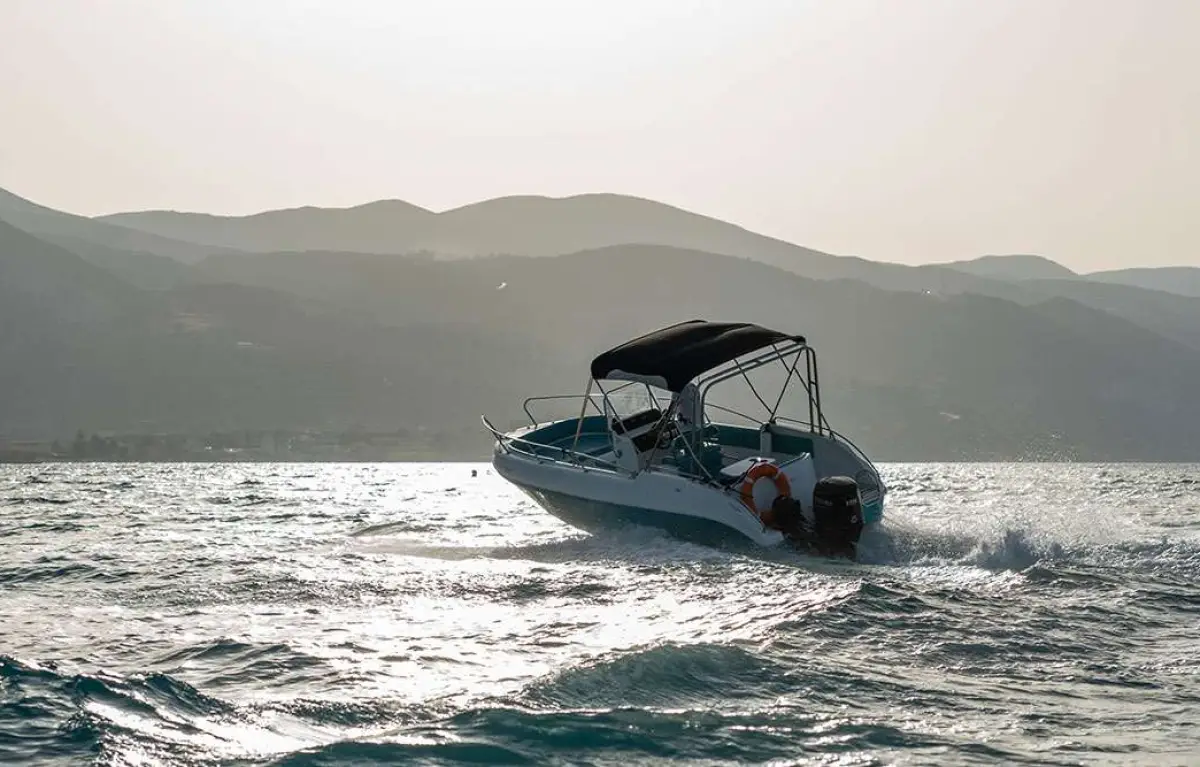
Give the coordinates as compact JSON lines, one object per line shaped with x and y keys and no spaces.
{"x":332,"y":615}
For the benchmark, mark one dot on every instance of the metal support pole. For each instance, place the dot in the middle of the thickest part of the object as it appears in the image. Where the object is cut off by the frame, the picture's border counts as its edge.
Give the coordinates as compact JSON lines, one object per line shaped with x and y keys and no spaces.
{"x":587,"y":397}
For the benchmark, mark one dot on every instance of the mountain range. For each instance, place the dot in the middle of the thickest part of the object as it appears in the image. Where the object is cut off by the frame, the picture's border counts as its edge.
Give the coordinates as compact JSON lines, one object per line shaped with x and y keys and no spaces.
{"x":387,"y":315}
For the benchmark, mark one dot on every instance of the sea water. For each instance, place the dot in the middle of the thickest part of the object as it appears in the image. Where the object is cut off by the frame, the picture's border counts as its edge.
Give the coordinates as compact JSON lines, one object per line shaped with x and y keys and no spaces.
{"x":285,"y":614}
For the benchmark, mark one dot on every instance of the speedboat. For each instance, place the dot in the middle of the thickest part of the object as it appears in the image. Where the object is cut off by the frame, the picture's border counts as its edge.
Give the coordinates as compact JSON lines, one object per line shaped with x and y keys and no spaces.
{"x":664,"y":458}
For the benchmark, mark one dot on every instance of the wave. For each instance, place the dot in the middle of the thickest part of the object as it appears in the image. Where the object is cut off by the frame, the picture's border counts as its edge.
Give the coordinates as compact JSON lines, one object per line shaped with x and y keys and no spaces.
{"x":367,"y":753}
{"x":979,"y":538}
{"x":62,"y":570}
{"x":234,"y":664}
{"x":513,"y":735}
{"x":37,"y":500}
{"x":971,"y":617}
{"x":51,"y":715}
{"x":48,"y":714}
{"x":1004,"y":549}
{"x":669,"y":675}
{"x":251,"y":500}
{"x":1020,"y":542}
{"x":388,"y":528}
{"x":632,"y":545}
{"x":668,"y":702}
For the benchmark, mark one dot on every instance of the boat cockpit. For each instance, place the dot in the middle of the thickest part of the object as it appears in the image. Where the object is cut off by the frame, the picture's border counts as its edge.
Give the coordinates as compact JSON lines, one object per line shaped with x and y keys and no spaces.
{"x":641,"y":414}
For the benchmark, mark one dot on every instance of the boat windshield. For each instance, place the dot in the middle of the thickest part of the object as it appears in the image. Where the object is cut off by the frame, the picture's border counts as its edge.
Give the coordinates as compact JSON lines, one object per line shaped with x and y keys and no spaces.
{"x":631,"y":400}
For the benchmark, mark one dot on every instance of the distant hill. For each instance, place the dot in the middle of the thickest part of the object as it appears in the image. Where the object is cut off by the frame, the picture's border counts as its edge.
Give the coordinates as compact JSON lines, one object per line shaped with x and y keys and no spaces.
{"x":41,"y":283}
{"x":545,"y":226}
{"x":386,"y":226}
{"x":519,"y":225}
{"x":144,"y":270}
{"x":918,"y":362}
{"x":1173,"y":316}
{"x":97,"y":240}
{"x":1013,"y":268}
{"x":80,"y":348}
{"x":345,"y":277}
{"x":527,"y":226}
{"x":1033,"y":279}
{"x":1181,"y":280}
{"x":914,"y":375}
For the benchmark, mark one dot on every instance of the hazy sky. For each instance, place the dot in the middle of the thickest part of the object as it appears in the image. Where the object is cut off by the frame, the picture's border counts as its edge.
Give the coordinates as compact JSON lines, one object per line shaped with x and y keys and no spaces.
{"x":908,"y":130}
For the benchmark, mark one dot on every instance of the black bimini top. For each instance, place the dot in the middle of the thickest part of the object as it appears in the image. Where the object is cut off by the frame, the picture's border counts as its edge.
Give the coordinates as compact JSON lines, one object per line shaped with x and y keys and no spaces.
{"x":670,"y":357}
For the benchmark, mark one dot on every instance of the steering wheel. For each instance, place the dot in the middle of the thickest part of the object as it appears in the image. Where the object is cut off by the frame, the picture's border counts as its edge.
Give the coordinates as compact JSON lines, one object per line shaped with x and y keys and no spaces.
{"x":667,"y":434}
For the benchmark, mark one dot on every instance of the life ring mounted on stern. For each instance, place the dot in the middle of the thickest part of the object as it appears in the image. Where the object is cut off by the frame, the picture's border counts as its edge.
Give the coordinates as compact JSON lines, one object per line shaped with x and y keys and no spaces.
{"x":783,"y":488}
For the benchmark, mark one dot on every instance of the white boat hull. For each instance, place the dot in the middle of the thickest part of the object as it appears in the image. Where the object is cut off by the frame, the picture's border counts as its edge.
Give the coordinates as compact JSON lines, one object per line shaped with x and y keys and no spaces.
{"x":600,"y":499}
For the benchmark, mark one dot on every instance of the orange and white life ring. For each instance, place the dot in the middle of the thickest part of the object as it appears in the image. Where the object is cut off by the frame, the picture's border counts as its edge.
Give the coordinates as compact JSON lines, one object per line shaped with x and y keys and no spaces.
{"x":783,"y":488}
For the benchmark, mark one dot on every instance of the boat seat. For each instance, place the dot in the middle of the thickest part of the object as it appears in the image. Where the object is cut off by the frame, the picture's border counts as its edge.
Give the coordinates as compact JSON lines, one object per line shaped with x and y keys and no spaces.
{"x":783,"y":441}
{"x":640,"y":428}
{"x":735,"y":471}
{"x":637,"y":421}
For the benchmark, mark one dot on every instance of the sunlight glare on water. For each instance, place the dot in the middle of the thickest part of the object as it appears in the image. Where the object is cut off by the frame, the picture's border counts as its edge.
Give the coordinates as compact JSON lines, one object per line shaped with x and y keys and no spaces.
{"x":349,"y":614}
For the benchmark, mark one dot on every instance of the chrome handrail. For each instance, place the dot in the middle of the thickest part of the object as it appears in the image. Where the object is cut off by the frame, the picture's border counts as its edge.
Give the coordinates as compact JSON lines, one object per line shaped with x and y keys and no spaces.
{"x":589,"y":397}
{"x":507,"y":441}
{"x":731,"y":411}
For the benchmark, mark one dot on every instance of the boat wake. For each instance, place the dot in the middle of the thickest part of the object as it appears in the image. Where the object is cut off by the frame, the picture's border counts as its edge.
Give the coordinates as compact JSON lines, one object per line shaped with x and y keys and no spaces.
{"x":1019,"y":543}
{"x":995,"y":543}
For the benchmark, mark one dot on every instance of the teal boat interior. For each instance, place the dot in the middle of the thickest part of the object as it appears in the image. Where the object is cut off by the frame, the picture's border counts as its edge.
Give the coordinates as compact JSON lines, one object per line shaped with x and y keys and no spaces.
{"x":590,"y":442}
{"x":658,"y":416}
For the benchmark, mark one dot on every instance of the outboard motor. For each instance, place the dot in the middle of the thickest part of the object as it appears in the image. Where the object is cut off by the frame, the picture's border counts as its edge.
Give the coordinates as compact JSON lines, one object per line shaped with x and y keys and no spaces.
{"x":832,"y":526}
{"x":837,"y":515}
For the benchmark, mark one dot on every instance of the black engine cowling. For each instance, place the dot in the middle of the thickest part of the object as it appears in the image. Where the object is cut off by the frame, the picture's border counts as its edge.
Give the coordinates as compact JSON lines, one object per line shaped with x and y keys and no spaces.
{"x":834,"y":523}
{"x":837,"y":514}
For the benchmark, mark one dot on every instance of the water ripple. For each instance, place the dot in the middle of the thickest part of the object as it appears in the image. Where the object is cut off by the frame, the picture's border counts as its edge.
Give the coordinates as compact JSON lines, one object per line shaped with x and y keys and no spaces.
{"x":375,"y":614}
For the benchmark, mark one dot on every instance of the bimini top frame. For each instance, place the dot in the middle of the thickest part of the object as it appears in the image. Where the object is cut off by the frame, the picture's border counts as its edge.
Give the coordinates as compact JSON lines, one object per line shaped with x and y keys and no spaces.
{"x":672,"y":357}
{"x":697,"y":355}
{"x":790,"y":354}
{"x":689,"y":358}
